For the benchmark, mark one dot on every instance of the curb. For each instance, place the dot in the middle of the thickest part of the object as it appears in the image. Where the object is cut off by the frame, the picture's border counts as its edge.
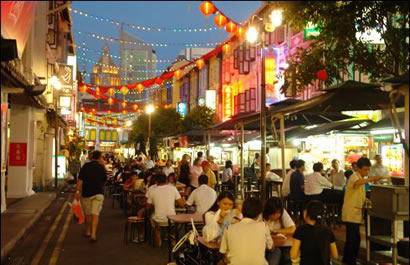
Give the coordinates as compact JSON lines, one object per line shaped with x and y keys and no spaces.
{"x":5,"y":249}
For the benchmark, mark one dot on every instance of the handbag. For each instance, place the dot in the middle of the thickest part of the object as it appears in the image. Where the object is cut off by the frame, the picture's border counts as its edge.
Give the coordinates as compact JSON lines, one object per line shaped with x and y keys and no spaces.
{"x":212,"y":231}
{"x":186,"y":251}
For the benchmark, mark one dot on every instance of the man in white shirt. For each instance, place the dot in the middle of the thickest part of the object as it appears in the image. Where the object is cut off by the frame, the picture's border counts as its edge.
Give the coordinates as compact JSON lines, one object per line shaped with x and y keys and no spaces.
{"x":337,"y":175}
{"x":203,"y":197}
{"x":149,"y":163}
{"x":245,"y":242}
{"x":286,"y":181}
{"x":163,"y":198}
{"x":380,"y":170}
{"x":315,"y":182}
{"x":269,"y":174}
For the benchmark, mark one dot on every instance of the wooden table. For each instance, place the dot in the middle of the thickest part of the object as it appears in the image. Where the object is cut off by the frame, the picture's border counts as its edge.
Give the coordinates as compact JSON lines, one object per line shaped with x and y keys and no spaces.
{"x":180,"y":219}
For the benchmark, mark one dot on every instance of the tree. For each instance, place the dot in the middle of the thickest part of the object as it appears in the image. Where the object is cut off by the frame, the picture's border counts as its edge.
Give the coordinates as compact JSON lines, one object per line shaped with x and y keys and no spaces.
{"x":341,"y":43}
{"x":163,"y":122}
{"x":201,"y":117}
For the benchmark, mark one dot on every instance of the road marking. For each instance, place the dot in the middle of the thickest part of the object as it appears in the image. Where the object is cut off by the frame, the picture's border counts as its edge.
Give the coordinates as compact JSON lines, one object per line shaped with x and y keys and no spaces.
{"x":57,"y":249}
{"x":43,"y":247}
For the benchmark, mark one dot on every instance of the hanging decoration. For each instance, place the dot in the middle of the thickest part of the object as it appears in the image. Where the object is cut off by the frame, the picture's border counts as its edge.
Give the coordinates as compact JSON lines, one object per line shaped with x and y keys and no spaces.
{"x":240,"y":32}
{"x":207,"y":8}
{"x":124,"y":105}
{"x":158,"y":81}
{"x":111,"y":91}
{"x":226,"y":48}
{"x":178,"y":74}
{"x":200,"y":63}
{"x":135,"y":106}
{"x":110,"y":101}
{"x":83,"y":89}
{"x":140,"y":87}
{"x":220,"y":20}
{"x":321,"y":75}
{"x":140,"y":27}
{"x":230,"y":27}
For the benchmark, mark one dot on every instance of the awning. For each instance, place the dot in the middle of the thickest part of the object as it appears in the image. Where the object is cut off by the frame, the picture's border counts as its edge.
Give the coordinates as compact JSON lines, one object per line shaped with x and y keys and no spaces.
{"x":385,"y":123}
{"x":402,"y":79}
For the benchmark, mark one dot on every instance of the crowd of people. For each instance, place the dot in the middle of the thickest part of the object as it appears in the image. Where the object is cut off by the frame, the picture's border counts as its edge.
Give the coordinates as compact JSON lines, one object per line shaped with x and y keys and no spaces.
{"x":244,"y":227}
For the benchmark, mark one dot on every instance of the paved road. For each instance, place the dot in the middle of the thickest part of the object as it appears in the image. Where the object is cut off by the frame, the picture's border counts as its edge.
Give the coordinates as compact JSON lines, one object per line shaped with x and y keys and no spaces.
{"x":57,"y":239}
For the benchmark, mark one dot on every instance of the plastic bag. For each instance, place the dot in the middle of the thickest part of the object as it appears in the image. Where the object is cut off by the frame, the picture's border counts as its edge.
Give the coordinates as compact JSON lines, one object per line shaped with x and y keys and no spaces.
{"x":78,"y":211}
{"x":211,"y":231}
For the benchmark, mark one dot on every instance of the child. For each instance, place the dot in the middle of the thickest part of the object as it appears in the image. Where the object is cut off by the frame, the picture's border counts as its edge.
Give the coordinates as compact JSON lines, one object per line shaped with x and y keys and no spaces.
{"x":315,"y":241}
{"x":246,"y":241}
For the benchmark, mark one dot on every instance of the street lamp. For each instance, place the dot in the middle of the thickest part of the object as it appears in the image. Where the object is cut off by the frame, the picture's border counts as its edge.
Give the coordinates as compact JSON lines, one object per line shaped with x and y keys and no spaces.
{"x":149,"y":109}
{"x":251,"y":36}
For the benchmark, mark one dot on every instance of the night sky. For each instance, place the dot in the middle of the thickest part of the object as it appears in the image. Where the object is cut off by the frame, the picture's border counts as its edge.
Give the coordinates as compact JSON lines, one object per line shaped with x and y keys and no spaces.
{"x":164,"y":14}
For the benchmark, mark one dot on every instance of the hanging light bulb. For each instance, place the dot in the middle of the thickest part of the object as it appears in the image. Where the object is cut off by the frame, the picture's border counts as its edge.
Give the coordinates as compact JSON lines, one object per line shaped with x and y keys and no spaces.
{"x":252,"y":34}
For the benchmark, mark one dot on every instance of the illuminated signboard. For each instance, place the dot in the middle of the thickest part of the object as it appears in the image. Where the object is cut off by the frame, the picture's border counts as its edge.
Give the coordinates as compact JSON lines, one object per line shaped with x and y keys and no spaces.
{"x":210,"y":99}
{"x":181,"y":108}
{"x":227,"y":102}
{"x":310,"y":31}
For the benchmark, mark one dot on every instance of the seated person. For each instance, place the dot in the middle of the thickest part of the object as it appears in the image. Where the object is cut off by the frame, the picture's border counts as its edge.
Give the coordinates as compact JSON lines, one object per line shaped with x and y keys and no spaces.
{"x":168,"y":169}
{"x":203,"y":197}
{"x":246,"y":242}
{"x":297,"y":182}
{"x":173,"y":181}
{"x":222,"y":212}
{"x":270,"y":176}
{"x":163,"y":198}
{"x":313,"y":240}
{"x":315,"y":183}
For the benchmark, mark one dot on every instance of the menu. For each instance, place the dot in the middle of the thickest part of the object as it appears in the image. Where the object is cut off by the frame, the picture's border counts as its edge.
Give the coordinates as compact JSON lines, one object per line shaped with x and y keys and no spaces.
{"x":393,"y":158}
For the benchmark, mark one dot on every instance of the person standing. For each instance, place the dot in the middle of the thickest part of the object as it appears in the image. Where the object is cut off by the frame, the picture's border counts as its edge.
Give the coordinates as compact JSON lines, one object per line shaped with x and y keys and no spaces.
{"x":297,"y":182}
{"x":83,"y":158}
{"x":355,"y":197}
{"x":206,"y":169}
{"x":195,"y":172}
{"x":337,"y":175}
{"x":379,"y":169}
{"x":183,"y":170}
{"x":91,"y":180}
{"x":214,"y":167}
{"x":200,"y":157}
{"x":286,"y":181}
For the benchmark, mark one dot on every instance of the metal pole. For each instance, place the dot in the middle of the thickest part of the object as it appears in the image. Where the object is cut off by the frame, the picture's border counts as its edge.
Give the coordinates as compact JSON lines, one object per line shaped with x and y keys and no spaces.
{"x":406,"y":132}
{"x":282,"y":144}
{"x":55,"y":143}
{"x":242,"y":168}
{"x":263,"y":117}
{"x":149,"y":132}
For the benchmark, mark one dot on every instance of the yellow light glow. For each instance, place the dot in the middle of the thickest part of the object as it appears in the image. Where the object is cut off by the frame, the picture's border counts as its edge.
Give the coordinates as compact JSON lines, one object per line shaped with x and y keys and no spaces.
{"x":252,"y":34}
{"x":55,"y":82}
{"x":150,"y":109}
{"x":276,"y":18}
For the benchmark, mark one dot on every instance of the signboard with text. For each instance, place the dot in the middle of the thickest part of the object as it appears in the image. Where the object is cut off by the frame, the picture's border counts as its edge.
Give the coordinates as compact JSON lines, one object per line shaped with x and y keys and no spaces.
{"x":65,"y":76}
{"x":227,"y":102}
{"x":18,"y":155}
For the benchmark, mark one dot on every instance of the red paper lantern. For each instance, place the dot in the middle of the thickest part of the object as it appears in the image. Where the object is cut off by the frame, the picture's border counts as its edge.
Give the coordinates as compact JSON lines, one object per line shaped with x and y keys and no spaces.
{"x":207,"y":8}
{"x":178,"y":74}
{"x":124,"y":112}
{"x":220,"y":20}
{"x":111,"y":91}
{"x":124,"y":90}
{"x":82,"y":108}
{"x":322,"y":75}
{"x":240,"y":32}
{"x":230,"y":27}
{"x":200,"y":63}
{"x":140,"y":87}
{"x":83,"y":88}
{"x":109,"y":112}
{"x":110,"y":101}
{"x":226,"y":48}
{"x":158,"y":81}
{"x":115,"y":121}
{"x":103,"y":118}
{"x":124,"y":104}
{"x":135,"y":106}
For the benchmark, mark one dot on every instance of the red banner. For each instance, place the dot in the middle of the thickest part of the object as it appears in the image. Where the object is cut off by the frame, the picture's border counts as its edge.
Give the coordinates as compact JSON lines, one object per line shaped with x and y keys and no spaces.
{"x":18,"y":155}
{"x":4,"y":108}
{"x":16,"y":20}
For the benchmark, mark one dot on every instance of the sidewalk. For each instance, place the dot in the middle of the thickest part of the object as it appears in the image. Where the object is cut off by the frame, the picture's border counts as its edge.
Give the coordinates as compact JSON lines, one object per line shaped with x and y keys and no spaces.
{"x":20,"y":217}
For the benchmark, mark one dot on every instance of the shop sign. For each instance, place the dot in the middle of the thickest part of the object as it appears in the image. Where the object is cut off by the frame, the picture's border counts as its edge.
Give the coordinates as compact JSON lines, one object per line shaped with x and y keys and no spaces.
{"x":89,"y":143}
{"x":107,"y":144}
{"x":65,"y":76}
{"x":210,"y":99}
{"x":16,"y":21}
{"x":383,"y":138}
{"x":4,"y":109}
{"x":182,"y":108}
{"x":227,"y":102}
{"x":183,"y":141}
{"x":310,"y":31}
{"x":18,"y":154}
{"x":356,"y":141}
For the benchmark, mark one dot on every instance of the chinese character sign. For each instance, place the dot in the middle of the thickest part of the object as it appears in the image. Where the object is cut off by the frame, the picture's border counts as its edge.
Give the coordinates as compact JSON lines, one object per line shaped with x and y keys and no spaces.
{"x":227,"y":102}
{"x":18,"y":155}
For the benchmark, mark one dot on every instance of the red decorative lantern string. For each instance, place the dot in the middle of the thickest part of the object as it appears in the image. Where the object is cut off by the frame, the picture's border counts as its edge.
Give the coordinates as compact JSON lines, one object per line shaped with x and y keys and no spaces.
{"x":220,"y":20}
{"x":230,"y":27}
{"x":226,"y":48}
{"x":207,"y":8}
{"x":321,"y":75}
{"x":200,"y":63}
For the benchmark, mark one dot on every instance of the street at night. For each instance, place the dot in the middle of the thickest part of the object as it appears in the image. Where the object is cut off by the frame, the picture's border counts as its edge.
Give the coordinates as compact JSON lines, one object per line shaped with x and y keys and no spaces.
{"x":205,"y":132}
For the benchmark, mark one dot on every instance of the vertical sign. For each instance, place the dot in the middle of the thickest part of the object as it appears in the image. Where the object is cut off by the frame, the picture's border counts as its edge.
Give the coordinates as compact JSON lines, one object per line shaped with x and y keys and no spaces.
{"x":18,"y":155}
{"x":4,"y":108}
{"x":210,"y":99}
{"x":227,"y":102}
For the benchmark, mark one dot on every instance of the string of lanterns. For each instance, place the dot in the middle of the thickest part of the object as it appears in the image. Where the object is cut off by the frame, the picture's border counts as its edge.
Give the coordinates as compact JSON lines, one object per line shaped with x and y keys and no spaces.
{"x":143,"y":43}
{"x":141,"y":27}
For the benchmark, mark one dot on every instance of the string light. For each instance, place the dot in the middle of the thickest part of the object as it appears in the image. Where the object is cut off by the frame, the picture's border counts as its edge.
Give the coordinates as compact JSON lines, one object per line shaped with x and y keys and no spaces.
{"x":142,"y":43}
{"x":141,"y":27}
{"x":122,"y":69}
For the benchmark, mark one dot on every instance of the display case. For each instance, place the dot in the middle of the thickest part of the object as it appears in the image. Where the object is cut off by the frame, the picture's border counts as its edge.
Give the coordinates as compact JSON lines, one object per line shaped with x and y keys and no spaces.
{"x":392,"y":157}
